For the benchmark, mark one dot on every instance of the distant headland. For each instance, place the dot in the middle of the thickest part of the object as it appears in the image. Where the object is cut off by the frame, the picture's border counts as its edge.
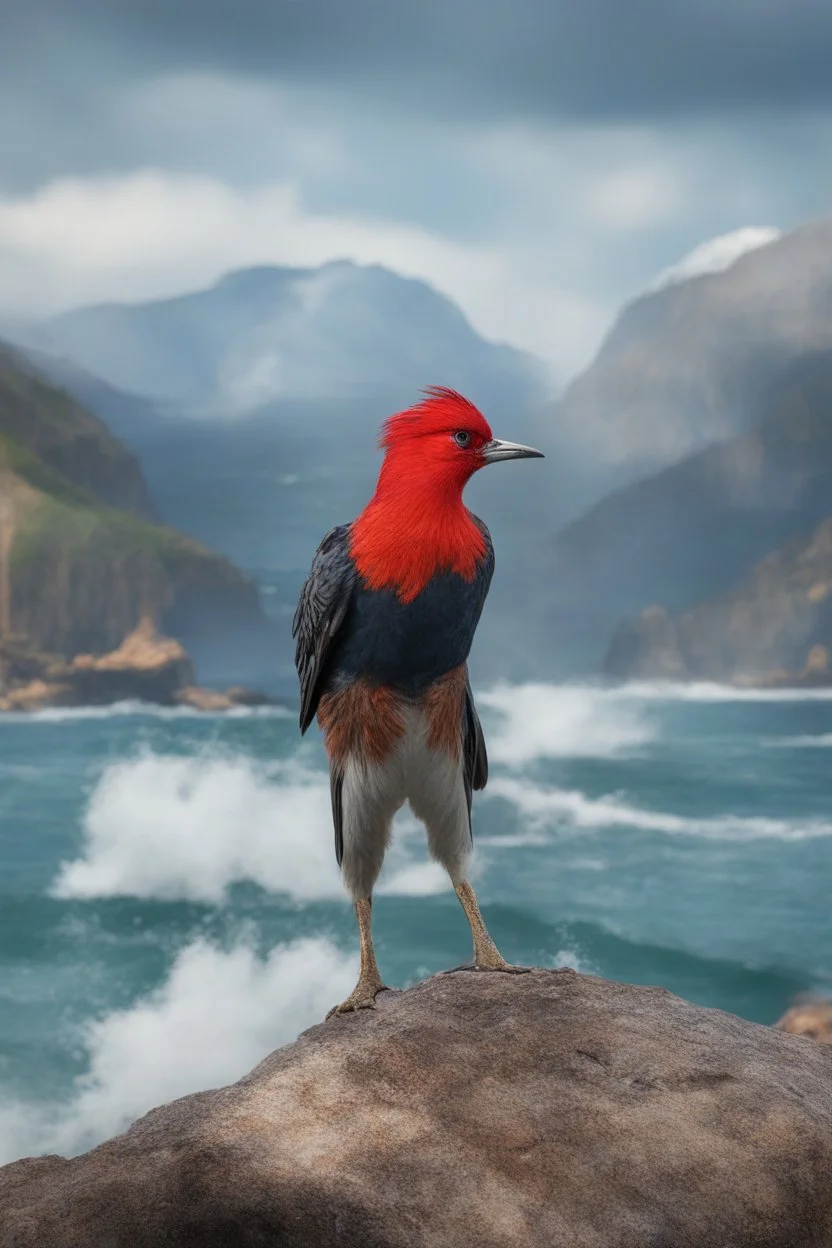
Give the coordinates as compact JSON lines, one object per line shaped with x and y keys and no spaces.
{"x":99,"y":600}
{"x":146,"y":667}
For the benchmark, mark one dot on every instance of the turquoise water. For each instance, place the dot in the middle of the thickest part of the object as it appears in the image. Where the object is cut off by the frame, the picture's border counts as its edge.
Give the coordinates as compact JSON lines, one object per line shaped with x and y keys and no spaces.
{"x":171,"y":910}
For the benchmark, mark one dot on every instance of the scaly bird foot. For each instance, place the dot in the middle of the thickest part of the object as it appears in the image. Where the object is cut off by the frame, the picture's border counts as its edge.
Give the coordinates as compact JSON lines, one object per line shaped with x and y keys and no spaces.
{"x":507,"y":968}
{"x":492,"y":964}
{"x":487,"y":957}
{"x":362,"y":997}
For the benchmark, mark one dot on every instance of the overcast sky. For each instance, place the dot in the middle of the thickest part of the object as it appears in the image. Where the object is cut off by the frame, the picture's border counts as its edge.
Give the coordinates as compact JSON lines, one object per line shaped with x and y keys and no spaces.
{"x":538,"y":160}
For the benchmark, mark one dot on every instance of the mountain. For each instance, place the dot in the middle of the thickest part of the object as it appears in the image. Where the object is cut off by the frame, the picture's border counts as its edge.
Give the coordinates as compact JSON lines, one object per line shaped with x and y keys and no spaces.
{"x":692,"y":362}
{"x":692,"y":530}
{"x":775,"y":627}
{"x":87,"y":559}
{"x":273,"y":334}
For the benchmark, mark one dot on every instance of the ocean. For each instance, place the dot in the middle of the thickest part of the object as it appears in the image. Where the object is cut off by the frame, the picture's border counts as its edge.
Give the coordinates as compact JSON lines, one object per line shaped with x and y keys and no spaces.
{"x":171,"y":908}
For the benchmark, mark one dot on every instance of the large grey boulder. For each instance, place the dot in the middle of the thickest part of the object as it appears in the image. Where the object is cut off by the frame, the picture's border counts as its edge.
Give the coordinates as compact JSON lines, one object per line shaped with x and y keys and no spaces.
{"x":474,"y":1109}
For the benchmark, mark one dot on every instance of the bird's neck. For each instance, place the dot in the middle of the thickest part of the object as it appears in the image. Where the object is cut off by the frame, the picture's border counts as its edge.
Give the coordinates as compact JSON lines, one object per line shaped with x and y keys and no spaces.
{"x":413,"y":528}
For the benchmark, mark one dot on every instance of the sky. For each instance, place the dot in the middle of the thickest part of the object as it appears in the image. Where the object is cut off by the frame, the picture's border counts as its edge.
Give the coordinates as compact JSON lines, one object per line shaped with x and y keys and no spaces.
{"x":539,"y":161}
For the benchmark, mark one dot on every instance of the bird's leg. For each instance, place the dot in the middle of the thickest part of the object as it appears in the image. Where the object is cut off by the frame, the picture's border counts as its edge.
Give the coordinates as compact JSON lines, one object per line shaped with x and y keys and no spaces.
{"x":487,"y":956}
{"x":363,"y":995}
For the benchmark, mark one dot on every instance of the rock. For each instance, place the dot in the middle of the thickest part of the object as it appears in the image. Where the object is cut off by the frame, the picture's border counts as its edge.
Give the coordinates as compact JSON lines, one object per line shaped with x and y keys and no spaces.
{"x":812,"y":1017}
{"x":550,"y":1110}
{"x":145,"y":666}
{"x":203,"y":699}
{"x":815,"y":673}
{"x":20,"y":661}
{"x":36,"y":695}
{"x":646,"y":647}
{"x":240,"y":695}
{"x":212,"y":700}
{"x":772,"y":630}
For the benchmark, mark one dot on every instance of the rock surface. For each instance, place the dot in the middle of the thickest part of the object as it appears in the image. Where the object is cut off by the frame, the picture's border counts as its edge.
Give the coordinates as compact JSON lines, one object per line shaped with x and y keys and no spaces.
{"x":691,"y":363}
{"x":471,"y":1111}
{"x":773,"y":630}
{"x":812,"y":1017}
{"x":145,"y":667}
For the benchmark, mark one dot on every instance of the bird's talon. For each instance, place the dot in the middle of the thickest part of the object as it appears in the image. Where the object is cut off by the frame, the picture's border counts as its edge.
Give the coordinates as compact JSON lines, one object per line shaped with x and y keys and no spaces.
{"x":501,"y":967}
{"x":506,"y":967}
{"x":363,"y":998}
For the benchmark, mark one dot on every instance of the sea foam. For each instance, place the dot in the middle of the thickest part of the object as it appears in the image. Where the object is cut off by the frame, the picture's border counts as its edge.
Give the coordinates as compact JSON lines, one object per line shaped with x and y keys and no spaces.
{"x":526,"y":722}
{"x":215,"y":1016}
{"x":170,"y":827}
{"x":567,"y":809}
{"x":709,"y":691}
{"x":132,"y":708}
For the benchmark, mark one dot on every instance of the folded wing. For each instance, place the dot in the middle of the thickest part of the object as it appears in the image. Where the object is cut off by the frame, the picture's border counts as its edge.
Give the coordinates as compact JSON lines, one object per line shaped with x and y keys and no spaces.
{"x":323,"y":604}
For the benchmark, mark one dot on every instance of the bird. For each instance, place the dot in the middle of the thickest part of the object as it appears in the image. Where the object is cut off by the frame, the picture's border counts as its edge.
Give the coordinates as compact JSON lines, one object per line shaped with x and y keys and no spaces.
{"x":383,"y":627}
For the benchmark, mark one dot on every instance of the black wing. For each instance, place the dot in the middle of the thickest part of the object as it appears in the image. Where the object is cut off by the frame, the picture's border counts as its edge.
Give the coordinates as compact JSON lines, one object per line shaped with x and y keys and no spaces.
{"x":323,"y":604}
{"x":488,"y":565}
{"x":474,"y":756}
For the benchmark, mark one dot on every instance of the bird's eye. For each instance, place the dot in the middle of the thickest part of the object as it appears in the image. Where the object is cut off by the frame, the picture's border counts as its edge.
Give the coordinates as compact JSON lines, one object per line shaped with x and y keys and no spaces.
{"x":462,"y":438}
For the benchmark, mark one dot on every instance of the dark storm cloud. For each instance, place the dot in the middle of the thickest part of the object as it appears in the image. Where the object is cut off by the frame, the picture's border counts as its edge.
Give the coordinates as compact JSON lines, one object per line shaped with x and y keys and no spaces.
{"x":473,"y":58}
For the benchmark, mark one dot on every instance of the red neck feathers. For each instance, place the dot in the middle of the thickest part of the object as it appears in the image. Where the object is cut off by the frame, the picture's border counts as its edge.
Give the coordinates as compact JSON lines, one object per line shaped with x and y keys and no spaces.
{"x":416,"y":523}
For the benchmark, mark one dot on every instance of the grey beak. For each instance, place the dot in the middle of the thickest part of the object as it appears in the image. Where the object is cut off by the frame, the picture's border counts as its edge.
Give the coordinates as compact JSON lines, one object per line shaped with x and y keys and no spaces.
{"x":496,"y":450}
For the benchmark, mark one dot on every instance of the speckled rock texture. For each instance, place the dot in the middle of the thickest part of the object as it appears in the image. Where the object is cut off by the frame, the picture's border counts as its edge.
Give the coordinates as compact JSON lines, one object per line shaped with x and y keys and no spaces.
{"x":471,"y":1111}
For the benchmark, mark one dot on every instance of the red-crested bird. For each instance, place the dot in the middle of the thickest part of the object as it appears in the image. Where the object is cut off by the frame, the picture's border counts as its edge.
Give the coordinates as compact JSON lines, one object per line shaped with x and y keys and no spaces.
{"x":384,"y":627}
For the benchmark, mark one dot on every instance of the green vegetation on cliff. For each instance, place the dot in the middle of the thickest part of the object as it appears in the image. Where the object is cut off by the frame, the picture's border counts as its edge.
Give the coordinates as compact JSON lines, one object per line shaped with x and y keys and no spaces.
{"x":64,"y":436}
{"x":86,"y":562}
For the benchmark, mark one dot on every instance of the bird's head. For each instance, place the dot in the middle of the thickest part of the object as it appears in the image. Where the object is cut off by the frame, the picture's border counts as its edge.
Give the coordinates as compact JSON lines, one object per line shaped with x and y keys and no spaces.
{"x":444,"y":438}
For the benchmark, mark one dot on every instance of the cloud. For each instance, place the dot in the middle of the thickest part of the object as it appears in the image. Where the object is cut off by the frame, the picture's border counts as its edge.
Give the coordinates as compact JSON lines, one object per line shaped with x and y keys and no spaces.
{"x":137,"y":171}
{"x":151,"y":234}
{"x":633,"y":198}
{"x":717,"y":254}
{"x":520,"y":58}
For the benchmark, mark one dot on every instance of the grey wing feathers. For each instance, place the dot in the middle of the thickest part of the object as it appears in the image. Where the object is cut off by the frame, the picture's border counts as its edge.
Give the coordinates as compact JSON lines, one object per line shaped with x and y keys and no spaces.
{"x":475,"y":758}
{"x":323,"y":604}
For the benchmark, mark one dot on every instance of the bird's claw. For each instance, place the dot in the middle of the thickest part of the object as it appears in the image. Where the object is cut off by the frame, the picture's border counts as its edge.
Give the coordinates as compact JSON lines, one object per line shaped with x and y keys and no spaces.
{"x":362,"y":998}
{"x":505,"y":967}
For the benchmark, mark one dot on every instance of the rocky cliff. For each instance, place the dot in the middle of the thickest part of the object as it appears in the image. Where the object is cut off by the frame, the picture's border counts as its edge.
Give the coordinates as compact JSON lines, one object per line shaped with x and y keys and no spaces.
{"x":691,"y":363}
{"x":705,"y":420}
{"x":694,"y":531}
{"x":87,"y":560}
{"x":472,"y":1111}
{"x":67,"y":438}
{"x":774,"y":628}
{"x":695,"y":528}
